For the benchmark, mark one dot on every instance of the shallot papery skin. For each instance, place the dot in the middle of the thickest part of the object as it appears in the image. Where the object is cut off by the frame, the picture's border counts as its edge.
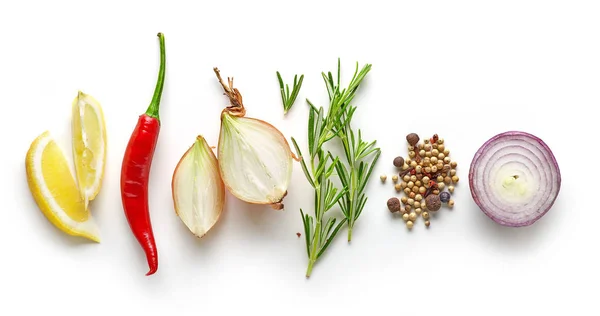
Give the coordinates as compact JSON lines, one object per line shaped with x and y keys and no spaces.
{"x":514,"y":178}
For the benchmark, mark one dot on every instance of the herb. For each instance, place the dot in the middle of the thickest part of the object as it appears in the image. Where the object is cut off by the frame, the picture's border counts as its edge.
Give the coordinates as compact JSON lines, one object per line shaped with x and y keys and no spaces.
{"x":321,"y":165}
{"x":287,"y":98}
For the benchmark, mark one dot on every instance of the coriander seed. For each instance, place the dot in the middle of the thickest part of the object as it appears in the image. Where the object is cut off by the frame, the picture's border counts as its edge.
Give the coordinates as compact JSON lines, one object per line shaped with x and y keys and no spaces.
{"x":451,"y":189}
{"x":383,"y":177}
{"x":441,"y":156}
{"x":427,"y":223}
{"x":434,"y":169}
{"x":427,"y":154}
{"x":455,"y":179}
{"x":409,"y":224}
{"x":428,"y":169}
{"x":398,"y":187}
{"x":440,"y":178}
{"x":446,"y":168}
{"x":427,"y":147}
{"x":411,"y":154}
{"x":411,"y":202}
{"x":452,"y":172}
{"x":441,"y":148}
{"x":451,"y":203}
{"x":413,"y":164}
{"x":426,"y":179}
{"x":422,"y":153}
{"x":447,"y":180}
{"x":395,"y":178}
{"x":411,"y":148}
{"x":418,"y":183}
{"x":433,"y":160}
{"x":407,"y":191}
{"x":393,"y":205}
{"x":413,"y":178}
{"x":403,"y":185}
{"x":418,"y":197}
{"x":441,"y":186}
{"x":422,"y":190}
{"x":435,"y":152}
{"x":418,"y":169}
{"x":453,"y":164}
{"x":418,"y":210}
{"x":446,"y":152}
{"x":415,"y":189}
{"x":436,"y":192}
{"x":426,"y":161}
{"x":410,"y":184}
{"x":407,"y":208}
{"x":446,"y":160}
{"x":405,"y":216}
{"x":440,"y":141}
{"x":425,"y":215}
{"x":417,"y":204}
{"x":406,"y":178}
{"x":411,"y":195}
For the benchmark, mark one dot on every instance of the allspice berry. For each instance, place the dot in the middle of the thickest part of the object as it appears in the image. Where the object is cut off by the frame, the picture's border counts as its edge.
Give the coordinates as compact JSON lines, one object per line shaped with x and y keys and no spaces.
{"x":412,"y":139}
{"x":393,"y":205}
{"x":433,"y":202}
{"x":398,"y":162}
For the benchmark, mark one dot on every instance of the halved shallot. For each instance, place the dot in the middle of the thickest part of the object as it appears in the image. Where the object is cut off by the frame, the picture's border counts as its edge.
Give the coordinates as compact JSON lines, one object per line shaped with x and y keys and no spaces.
{"x":198,"y":191}
{"x":255,"y":159}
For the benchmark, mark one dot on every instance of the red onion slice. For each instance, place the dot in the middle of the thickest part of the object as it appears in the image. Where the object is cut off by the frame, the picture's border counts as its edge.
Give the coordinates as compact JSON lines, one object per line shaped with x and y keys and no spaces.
{"x":514,"y":178}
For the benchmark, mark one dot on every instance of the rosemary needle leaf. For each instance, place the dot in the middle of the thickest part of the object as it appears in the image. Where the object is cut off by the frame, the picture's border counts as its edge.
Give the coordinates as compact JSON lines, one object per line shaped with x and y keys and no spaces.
{"x":288,"y":98}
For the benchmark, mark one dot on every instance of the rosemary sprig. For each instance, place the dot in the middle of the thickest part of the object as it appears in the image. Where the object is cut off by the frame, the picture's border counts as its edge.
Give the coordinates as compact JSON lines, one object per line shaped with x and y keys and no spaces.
{"x":361,"y":156}
{"x":287,"y":98}
{"x":320,"y":165}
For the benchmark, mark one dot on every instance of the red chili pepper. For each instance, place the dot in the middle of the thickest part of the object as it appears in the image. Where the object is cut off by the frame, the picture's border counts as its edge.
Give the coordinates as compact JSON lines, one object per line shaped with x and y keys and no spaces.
{"x":135,"y":170}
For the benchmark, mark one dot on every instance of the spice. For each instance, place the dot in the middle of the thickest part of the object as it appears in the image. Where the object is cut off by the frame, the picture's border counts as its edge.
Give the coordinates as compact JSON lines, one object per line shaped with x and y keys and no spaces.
{"x":398,"y":162}
{"x":444,"y":197}
{"x":426,"y":174}
{"x":393,"y":205}
{"x":383,"y":177}
{"x":433,"y":202}
{"x":135,"y":170}
{"x":395,"y":178}
{"x":409,"y":224}
{"x":412,"y":139}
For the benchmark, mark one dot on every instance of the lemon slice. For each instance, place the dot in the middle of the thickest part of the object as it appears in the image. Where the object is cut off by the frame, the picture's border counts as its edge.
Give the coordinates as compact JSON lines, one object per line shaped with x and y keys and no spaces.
{"x":55,"y":191}
{"x":89,"y":144}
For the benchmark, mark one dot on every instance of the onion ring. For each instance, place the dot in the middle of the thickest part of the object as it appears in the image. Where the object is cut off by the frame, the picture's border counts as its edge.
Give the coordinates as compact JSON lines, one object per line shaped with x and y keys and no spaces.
{"x":514,"y":178}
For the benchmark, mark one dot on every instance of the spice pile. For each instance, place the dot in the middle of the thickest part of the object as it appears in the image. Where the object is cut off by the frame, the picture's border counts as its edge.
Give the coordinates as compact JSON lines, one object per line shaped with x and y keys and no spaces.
{"x":423,"y":178}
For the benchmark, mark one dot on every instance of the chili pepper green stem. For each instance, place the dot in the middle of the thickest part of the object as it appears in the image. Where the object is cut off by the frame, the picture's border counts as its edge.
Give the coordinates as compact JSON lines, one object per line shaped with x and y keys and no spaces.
{"x":153,"y":108}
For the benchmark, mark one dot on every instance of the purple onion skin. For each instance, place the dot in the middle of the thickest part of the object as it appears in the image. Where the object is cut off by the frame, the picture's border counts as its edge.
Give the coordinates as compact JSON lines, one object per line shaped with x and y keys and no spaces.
{"x":483,"y":149}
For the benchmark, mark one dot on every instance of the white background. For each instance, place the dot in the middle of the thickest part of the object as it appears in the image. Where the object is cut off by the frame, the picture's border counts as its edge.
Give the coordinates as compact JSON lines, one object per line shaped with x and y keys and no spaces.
{"x":464,"y":69}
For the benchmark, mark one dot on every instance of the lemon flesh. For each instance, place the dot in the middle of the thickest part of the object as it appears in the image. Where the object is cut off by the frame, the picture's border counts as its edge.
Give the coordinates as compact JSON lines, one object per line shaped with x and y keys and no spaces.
{"x":55,"y":189}
{"x":89,"y":145}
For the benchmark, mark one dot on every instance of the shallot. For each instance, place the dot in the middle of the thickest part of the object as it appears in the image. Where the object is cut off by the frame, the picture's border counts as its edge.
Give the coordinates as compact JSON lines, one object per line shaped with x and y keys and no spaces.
{"x":197,"y":188}
{"x":255,"y":159}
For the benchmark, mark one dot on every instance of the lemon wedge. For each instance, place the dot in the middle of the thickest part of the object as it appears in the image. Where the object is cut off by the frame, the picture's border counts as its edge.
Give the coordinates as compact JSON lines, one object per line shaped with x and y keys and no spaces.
{"x":89,"y":145}
{"x":55,"y":190}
